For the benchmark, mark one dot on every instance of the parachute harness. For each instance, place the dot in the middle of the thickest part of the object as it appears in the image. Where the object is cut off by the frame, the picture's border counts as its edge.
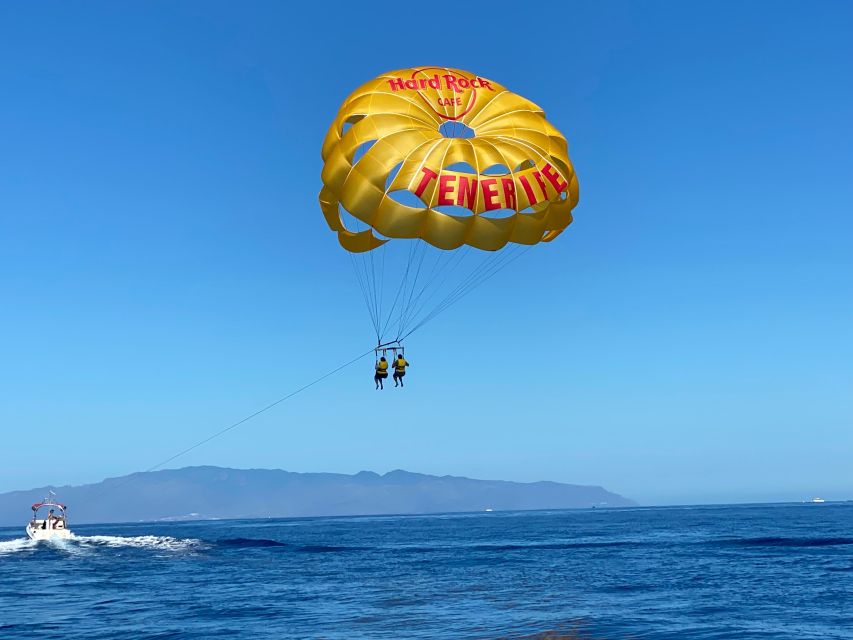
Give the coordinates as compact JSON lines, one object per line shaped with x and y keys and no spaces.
{"x":394,"y":347}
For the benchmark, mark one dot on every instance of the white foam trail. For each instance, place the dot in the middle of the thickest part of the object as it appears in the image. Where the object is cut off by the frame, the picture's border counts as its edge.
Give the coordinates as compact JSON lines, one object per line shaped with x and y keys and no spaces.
{"x":77,"y":544}
{"x":161,"y":543}
{"x":13,"y":546}
{"x":66,"y":545}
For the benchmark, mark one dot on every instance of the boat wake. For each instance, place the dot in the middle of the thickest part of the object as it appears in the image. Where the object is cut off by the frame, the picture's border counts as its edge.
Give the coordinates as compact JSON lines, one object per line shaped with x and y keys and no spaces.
{"x":160,"y":543}
{"x":13,"y":546}
{"x":76,"y":544}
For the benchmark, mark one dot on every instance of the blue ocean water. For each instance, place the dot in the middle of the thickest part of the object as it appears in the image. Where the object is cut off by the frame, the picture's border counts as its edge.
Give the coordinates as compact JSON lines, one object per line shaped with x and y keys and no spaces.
{"x":765,"y":571}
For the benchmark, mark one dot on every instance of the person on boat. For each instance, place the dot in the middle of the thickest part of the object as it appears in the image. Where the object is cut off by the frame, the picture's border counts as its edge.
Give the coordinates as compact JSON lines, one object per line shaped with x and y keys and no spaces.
{"x":400,"y":365}
{"x":48,"y":521}
{"x":381,"y":372}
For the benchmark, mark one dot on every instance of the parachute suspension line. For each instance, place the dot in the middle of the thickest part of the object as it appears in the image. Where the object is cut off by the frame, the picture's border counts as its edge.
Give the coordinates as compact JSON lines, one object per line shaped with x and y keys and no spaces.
{"x":404,"y":308}
{"x":459,"y":293}
{"x":363,"y":286}
{"x":242,"y":421}
{"x":366,"y":283}
{"x":416,"y":293}
{"x":384,"y":250}
{"x":420,"y":284}
{"x":373,"y":288}
{"x":447,"y":268}
{"x":400,"y":290}
{"x":371,"y":274}
{"x":412,"y":260}
{"x":491,"y":271}
{"x":486,"y":271}
{"x":417,"y":261}
{"x":459,"y":285}
{"x":438,"y":265}
{"x":371,"y":292}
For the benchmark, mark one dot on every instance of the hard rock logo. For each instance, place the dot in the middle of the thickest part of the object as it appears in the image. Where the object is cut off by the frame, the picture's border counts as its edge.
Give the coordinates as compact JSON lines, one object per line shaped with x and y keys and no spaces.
{"x":450,"y":95}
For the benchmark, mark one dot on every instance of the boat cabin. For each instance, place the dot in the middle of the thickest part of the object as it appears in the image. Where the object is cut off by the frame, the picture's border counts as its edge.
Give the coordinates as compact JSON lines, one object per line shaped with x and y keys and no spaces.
{"x":48,"y":516}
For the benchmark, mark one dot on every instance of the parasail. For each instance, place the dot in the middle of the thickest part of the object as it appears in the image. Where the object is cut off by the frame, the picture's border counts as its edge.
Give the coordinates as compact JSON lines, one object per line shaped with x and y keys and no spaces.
{"x":440,"y":176}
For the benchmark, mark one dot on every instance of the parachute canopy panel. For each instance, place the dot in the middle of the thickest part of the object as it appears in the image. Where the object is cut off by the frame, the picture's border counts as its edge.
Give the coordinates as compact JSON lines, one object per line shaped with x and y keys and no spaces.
{"x":447,"y":157}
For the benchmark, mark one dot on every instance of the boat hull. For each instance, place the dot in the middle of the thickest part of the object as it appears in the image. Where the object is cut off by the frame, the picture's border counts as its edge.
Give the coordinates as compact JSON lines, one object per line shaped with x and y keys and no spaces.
{"x":37,"y":533}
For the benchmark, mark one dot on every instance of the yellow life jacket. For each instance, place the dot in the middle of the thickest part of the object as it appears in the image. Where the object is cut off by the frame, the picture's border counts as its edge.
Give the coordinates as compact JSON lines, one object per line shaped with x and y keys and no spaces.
{"x":400,"y":365}
{"x":382,"y":366}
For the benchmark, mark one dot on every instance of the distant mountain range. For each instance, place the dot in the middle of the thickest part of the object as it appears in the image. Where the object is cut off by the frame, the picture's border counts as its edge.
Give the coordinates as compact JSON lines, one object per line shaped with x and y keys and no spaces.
{"x":216,"y":492}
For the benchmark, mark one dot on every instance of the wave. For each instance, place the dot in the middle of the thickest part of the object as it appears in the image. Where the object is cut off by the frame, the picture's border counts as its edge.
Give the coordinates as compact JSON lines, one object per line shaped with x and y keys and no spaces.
{"x":532,"y":546}
{"x":250,"y":543}
{"x":788,"y":542}
{"x":517,"y":546}
{"x":323,"y":548}
{"x":261,"y":543}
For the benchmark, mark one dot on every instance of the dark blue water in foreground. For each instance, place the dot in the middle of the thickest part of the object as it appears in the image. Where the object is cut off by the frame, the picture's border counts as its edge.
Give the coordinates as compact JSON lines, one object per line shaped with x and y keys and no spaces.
{"x":773,"y":571}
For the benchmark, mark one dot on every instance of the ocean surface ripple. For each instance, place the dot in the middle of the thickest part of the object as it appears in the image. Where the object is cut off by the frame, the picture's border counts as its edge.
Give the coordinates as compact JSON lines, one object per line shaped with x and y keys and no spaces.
{"x":747,"y":572}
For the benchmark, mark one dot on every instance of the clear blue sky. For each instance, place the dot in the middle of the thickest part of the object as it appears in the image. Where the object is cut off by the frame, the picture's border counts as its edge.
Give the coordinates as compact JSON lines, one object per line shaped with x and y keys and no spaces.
{"x":165,"y":269}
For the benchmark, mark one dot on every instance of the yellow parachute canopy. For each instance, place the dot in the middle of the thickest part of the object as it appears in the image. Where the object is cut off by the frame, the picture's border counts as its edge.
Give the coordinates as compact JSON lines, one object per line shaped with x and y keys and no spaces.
{"x":512,"y":175}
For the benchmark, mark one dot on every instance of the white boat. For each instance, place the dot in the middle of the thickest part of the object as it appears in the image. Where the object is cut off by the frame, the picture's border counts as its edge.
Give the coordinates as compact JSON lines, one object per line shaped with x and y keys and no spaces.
{"x":818,"y":500}
{"x":53,"y":525}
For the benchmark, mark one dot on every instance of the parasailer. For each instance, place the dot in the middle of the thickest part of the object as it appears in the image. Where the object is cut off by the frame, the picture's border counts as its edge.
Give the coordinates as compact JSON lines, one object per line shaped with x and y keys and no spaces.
{"x":400,"y":365}
{"x":444,"y":177}
{"x":381,"y":372}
